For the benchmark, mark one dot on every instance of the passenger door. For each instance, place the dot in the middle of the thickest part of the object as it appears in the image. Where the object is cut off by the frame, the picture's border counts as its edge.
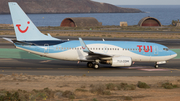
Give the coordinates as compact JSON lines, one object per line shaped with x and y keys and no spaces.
{"x":155,"y":50}
{"x":46,"y":48}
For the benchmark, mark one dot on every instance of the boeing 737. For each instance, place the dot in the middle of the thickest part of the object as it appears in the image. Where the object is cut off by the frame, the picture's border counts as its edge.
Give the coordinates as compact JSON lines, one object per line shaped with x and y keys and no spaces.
{"x":115,"y":53}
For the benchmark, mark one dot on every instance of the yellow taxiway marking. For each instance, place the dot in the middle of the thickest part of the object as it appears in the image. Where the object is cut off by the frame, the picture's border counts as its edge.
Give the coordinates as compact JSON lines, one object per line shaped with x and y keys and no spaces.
{"x":66,"y":68}
{"x":20,"y":68}
{"x":44,"y":68}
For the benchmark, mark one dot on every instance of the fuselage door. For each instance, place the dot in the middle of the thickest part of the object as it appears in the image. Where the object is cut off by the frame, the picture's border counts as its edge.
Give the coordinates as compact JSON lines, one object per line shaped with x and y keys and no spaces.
{"x":155,"y":50}
{"x":46,"y":48}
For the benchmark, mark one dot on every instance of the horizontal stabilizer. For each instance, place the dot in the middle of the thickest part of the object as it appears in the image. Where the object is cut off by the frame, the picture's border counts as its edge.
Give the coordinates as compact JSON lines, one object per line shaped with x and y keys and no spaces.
{"x":8,"y":40}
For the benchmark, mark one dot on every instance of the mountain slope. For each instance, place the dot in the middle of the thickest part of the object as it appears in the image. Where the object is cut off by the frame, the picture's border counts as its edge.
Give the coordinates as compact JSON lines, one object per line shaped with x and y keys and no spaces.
{"x":65,"y":6}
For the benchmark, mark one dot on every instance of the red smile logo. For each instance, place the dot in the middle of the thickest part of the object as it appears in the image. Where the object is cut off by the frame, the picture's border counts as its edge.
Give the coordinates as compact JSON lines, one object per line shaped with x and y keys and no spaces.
{"x":83,"y":47}
{"x":22,"y":31}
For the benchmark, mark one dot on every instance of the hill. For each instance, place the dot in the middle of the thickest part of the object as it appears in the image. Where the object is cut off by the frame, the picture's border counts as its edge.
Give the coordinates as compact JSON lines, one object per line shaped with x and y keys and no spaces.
{"x":65,"y":6}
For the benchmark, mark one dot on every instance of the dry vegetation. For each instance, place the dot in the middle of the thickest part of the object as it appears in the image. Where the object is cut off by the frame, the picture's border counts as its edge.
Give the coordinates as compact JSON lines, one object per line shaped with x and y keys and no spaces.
{"x":24,"y":87}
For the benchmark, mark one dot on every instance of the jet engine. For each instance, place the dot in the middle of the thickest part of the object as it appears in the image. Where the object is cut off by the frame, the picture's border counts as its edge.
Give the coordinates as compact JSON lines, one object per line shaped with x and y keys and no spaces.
{"x":121,"y":61}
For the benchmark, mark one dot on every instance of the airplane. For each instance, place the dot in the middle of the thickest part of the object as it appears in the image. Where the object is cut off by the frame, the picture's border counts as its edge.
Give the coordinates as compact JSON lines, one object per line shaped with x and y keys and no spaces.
{"x":115,"y":53}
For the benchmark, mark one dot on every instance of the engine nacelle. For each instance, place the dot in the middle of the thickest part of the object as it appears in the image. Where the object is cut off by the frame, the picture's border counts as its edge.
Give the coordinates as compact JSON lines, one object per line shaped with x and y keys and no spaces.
{"x":121,"y":61}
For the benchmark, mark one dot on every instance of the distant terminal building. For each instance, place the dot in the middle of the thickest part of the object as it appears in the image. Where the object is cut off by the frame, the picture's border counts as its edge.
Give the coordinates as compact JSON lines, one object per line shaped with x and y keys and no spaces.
{"x":80,"y":22}
{"x":149,"y":21}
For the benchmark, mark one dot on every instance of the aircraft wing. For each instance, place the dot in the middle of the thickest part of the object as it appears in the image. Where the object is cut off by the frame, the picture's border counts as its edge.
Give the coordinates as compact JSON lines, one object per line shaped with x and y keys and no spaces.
{"x":94,"y":54}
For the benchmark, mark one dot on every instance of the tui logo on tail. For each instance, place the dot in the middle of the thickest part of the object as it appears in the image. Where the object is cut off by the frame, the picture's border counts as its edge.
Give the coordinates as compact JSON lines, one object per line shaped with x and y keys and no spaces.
{"x":22,"y":31}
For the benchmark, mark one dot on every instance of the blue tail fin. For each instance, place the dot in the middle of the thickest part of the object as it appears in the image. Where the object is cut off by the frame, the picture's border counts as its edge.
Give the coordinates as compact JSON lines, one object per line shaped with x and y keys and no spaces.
{"x":24,"y":28}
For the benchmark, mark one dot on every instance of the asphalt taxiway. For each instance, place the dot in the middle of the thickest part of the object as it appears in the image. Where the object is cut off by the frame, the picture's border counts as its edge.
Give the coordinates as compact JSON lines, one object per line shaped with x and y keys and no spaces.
{"x":59,"y":67}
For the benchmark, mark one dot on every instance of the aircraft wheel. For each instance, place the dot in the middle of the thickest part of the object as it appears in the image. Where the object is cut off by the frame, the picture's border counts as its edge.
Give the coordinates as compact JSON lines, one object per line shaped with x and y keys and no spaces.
{"x":156,"y":66}
{"x":90,"y":64}
{"x":96,"y":66}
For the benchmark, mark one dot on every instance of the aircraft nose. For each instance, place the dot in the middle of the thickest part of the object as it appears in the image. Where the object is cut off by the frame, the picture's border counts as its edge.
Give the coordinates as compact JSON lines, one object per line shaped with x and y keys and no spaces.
{"x":173,"y":54}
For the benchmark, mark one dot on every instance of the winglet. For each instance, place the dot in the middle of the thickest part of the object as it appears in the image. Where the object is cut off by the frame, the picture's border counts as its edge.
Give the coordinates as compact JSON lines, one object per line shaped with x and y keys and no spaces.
{"x":84,"y":47}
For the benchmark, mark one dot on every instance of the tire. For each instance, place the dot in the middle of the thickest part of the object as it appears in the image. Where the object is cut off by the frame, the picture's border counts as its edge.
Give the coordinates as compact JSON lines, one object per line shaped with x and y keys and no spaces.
{"x":96,"y":66}
{"x":156,"y":66}
{"x":90,"y":65}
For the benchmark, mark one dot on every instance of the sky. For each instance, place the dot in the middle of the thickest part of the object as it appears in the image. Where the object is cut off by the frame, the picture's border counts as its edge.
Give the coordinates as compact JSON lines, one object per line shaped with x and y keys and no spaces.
{"x":141,"y":2}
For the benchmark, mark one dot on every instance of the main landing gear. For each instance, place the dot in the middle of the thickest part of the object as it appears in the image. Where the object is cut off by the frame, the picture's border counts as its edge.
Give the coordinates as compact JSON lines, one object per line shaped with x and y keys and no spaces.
{"x":91,"y":65}
{"x":156,"y":66}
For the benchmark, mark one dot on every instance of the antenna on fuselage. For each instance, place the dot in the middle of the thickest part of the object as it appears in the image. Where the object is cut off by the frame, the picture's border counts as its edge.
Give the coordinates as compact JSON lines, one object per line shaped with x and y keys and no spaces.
{"x":103,"y":39}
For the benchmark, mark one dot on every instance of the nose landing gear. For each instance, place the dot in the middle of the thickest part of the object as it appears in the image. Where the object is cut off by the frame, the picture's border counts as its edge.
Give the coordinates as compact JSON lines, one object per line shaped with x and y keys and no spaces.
{"x":158,"y":63}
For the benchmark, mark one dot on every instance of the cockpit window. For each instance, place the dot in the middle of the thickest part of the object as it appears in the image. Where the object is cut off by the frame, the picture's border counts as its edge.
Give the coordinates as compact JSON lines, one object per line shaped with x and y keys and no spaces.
{"x":166,"y":49}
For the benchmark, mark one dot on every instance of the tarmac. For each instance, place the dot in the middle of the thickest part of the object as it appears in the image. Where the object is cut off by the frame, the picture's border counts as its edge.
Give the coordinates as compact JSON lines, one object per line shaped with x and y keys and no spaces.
{"x":59,"y":68}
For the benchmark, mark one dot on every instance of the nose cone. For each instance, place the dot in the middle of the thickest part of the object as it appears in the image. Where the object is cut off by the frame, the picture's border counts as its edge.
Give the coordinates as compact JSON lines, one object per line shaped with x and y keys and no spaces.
{"x":173,"y":54}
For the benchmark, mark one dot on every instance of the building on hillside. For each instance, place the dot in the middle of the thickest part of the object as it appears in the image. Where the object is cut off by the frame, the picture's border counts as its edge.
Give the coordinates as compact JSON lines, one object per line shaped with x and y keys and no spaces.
{"x":80,"y":22}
